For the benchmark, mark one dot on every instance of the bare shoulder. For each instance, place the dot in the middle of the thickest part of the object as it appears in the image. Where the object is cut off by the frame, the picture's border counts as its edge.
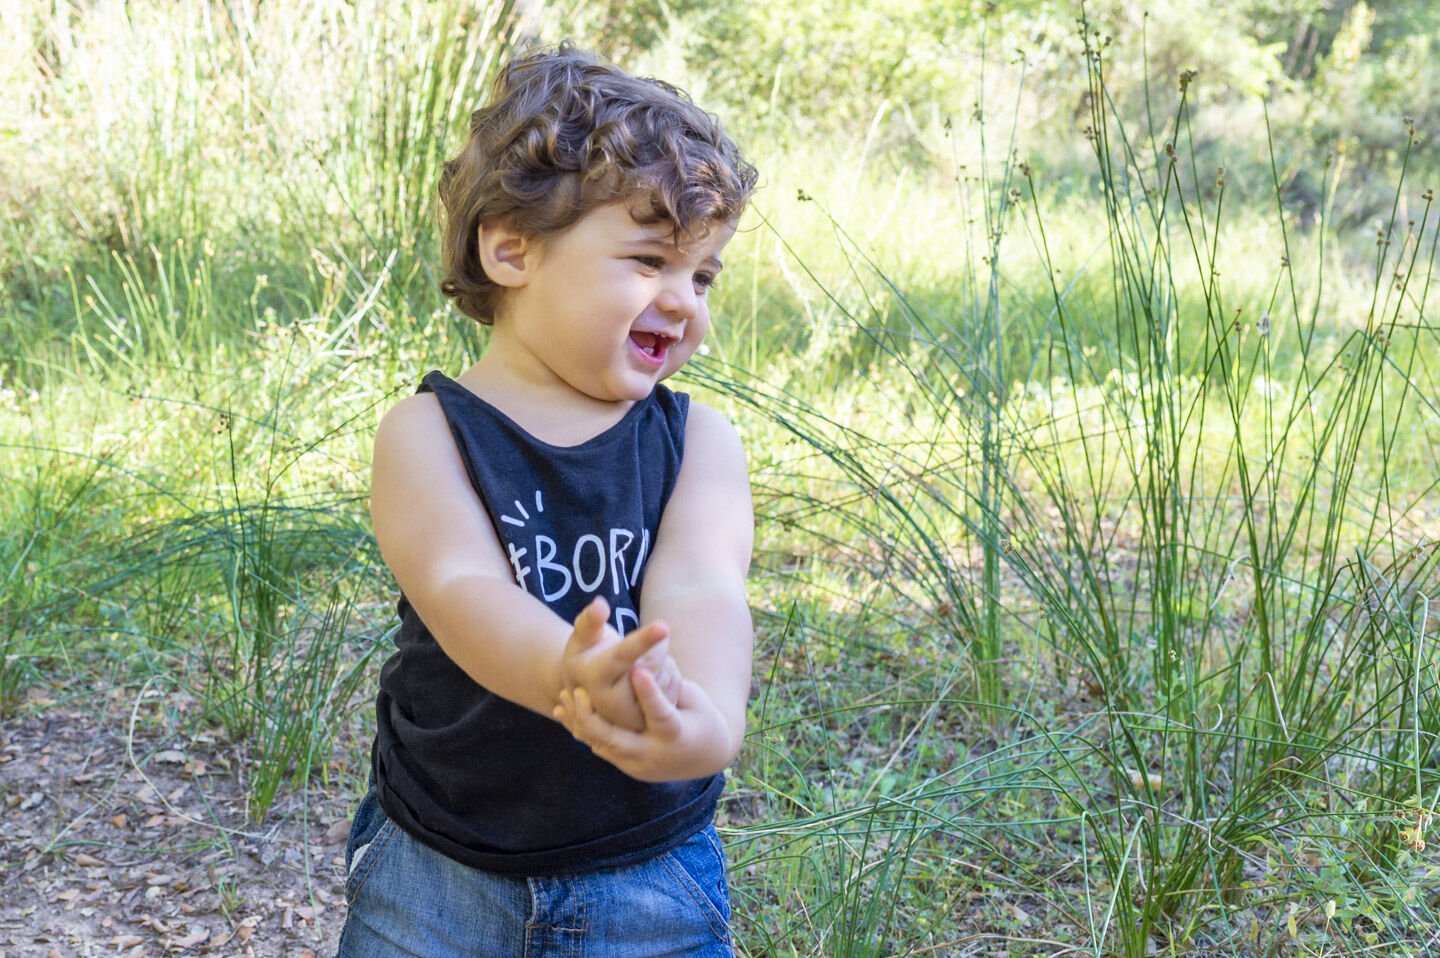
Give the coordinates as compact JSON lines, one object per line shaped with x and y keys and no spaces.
{"x":709,"y":518}
{"x":413,"y":420}
{"x":426,"y":516}
{"x":714,"y":482}
{"x":711,"y":438}
{"x":412,"y":447}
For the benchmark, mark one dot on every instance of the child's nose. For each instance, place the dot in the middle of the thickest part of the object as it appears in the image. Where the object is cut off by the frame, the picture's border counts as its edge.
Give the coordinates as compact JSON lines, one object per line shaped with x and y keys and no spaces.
{"x":678,"y":298}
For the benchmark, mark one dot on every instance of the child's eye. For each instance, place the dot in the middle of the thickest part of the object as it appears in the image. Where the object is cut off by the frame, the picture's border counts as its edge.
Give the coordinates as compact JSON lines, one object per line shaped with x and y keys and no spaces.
{"x":704,"y":282}
{"x":650,"y":262}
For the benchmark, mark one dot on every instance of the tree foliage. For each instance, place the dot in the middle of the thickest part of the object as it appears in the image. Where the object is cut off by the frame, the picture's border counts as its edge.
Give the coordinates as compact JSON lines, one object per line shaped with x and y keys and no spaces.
{"x":1336,"y":75}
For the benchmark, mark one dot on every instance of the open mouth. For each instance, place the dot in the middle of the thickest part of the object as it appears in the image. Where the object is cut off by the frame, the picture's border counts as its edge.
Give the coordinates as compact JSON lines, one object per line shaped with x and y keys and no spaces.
{"x":652,"y":346}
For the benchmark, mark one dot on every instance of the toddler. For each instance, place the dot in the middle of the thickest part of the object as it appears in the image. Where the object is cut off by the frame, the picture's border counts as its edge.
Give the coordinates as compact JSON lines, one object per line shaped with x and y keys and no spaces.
{"x":570,"y":539}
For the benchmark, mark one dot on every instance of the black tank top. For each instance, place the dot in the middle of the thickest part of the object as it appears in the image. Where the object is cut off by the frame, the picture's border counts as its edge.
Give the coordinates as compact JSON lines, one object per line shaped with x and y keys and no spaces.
{"x":475,"y":776}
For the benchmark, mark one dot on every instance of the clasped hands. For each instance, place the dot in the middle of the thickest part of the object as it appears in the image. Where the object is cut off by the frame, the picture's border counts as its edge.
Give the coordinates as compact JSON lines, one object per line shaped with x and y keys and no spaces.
{"x":626,"y":699}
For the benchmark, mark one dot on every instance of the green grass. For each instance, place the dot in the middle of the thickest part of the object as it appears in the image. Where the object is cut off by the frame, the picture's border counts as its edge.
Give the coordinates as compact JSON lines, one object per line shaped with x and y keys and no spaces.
{"x":1207,"y":552}
{"x":1096,"y":526}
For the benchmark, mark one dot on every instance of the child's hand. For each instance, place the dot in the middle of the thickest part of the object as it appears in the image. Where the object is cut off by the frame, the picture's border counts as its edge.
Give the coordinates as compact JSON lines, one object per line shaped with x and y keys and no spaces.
{"x":599,"y":661}
{"x":677,"y":742}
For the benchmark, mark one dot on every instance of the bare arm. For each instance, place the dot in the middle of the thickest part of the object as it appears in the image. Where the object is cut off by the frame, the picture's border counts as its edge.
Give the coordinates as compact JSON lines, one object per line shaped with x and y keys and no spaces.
{"x":443,"y":551}
{"x":695,"y":584}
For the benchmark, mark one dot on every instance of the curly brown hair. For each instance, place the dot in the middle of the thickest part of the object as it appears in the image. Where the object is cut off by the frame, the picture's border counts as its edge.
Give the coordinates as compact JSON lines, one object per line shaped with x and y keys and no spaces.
{"x":564,"y":133}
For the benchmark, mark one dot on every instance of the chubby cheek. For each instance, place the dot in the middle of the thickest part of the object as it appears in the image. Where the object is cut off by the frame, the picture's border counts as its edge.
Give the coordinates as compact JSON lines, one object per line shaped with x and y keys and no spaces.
{"x":681,"y":352}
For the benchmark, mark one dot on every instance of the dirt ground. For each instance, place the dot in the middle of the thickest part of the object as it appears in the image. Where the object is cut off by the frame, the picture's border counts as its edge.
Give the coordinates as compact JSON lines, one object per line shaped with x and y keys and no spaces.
{"x":120,"y":835}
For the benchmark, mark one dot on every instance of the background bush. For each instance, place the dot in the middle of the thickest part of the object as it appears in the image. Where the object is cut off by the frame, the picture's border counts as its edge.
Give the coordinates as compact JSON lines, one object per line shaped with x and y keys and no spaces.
{"x":1088,"y":378}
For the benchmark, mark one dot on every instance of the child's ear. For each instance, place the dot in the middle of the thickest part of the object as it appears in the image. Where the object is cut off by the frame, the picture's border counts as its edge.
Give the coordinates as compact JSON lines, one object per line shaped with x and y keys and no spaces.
{"x":506,"y":254}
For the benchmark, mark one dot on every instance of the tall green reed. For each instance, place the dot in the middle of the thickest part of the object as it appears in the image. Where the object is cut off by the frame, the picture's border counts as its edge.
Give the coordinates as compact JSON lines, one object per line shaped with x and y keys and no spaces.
{"x":249,"y":128}
{"x":420,"y":72}
{"x":1221,"y":549}
{"x":241,"y":561}
{"x":54,"y":504}
{"x":241,"y":552}
{"x":294,"y":557}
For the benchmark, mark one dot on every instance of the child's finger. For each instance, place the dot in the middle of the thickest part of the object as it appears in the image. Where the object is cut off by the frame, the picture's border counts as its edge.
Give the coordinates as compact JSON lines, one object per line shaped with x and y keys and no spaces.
{"x":641,"y":640}
{"x":660,"y":713}
{"x":669,"y":679}
{"x":615,"y":662}
{"x":562,"y":712}
{"x":590,"y":624}
{"x":568,"y":713}
{"x":590,"y":727}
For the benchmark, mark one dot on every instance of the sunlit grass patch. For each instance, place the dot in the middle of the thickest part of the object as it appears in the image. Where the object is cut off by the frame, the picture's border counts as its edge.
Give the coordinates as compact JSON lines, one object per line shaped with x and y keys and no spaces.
{"x":1097,"y":508}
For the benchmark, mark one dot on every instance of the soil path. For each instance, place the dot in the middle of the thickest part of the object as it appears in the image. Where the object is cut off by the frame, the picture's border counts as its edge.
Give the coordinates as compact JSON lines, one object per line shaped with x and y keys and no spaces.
{"x":119,"y":837}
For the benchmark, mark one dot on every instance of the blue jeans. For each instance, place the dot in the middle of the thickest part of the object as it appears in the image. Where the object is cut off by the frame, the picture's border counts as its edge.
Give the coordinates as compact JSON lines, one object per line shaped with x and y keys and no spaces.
{"x":408,"y":899}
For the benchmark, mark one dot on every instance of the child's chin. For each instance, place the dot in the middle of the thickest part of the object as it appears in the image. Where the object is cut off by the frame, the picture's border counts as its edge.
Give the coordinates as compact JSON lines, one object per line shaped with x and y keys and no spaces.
{"x":636,"y":389}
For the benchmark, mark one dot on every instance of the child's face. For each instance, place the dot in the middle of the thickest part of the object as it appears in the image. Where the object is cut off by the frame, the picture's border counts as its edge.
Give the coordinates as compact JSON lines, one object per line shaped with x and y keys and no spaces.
{"x":610,"y":307}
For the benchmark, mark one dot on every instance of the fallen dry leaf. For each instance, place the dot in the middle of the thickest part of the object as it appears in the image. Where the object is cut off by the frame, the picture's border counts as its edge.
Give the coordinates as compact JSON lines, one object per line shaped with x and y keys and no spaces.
{"x":191,"y":940}
{"x":105,"y":912}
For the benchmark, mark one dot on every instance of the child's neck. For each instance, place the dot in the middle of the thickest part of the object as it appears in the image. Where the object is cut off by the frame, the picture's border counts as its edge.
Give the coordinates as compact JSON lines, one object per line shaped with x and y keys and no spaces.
{"x":550,"y":411}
